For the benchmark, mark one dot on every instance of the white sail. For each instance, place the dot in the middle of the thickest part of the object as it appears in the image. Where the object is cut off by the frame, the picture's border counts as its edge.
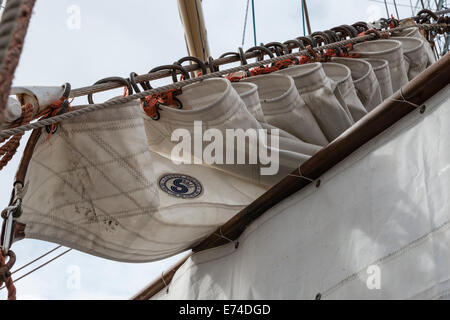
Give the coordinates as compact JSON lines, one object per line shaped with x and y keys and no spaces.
{"x":377,"y":228}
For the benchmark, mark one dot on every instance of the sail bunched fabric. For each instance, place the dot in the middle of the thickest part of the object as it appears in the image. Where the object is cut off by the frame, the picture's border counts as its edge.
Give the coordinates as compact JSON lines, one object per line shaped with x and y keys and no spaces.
{"x":364,"y":80}
{"x":343,"y":77}
{"x":383,"y":75}
{"x":95,"y":186}
{"x":284,"y":108}
{"x":415,"y":33}
{"x":390,"y":50}
{"x":416,"y":59}
{"x":320,"y":94}
{"x":106,"y":183}
{"x":218,"y":106}
{"x":288,"y":142}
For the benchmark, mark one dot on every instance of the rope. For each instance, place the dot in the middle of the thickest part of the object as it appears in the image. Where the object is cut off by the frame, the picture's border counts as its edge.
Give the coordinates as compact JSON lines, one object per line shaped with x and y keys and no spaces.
{"x":82,"y":110}
{"x":9,"y":283}
{"x":245,"y":22}
{"x":13,"y":28}
{"x":9,"y":149}
{"x":254,"y":22}
{"x":37,"y":268}
{"x":36,"y":260}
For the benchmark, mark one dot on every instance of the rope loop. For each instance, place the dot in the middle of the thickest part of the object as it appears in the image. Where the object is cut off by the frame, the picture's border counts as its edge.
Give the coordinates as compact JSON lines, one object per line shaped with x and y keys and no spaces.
{"x":150,"y":104}
{"x":5,"y":273}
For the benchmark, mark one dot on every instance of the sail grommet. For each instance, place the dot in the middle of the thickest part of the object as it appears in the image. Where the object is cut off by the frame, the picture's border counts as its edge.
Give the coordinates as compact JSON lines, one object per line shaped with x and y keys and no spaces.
{"x":423,"y":109}
{"x":318,"y":183}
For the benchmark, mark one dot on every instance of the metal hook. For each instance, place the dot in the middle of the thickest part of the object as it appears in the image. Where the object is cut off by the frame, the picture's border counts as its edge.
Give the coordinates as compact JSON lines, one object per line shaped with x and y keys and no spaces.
{"x":174,"y":68}
{"x":211,"y":65}
{"x":134,"y":83}
{"x":199,"y":62}
{"x":332,"y":35}
{"x":277,"y":46}
{"x":261,"y":51}
{"x":295,"y":43}
{"x":121,"y":80}
{"x":361,"y":26}
{"x":243,"y":59}
{"x":308,"y":41}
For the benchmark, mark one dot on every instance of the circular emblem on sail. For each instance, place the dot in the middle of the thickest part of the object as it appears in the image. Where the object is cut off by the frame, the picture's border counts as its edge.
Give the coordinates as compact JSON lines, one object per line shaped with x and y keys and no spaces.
{"x":181,"y":186}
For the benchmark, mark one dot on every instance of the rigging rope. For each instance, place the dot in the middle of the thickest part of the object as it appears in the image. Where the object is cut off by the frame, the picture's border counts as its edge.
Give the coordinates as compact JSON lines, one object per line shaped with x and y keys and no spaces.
{"x":245,"y":23}
{"x":254,"y":21}
{"x":36,"y":260}
{"x":13,"y":28}
{"x":40,"y":267}
{"x":81,"y":110}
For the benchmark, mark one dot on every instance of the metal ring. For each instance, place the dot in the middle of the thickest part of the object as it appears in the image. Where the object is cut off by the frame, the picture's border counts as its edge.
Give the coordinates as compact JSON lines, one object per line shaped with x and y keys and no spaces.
{"x":67,"y":90}
{"x":296,"y":43}
{"x":134,"y":84}
{"x":361,"y":26}
{"x":212,"y":67}
{"x":172,"y":67}
{"x":277,"y":46}
{"x":321,"y":36}
{"x":352,"y":30}
{"x":123,"y":81}
{"x":242,"y":56}
{"x":425,"y":16}
{"x":261,"y":50}
{"x":243,"y":59}
{"x":308,"y":41}
{"x":199,"y":62}
{"x":343,"y":31}
{"x":332,"y":35}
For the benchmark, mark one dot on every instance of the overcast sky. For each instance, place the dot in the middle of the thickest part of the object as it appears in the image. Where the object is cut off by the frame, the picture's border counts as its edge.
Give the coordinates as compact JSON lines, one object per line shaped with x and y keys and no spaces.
{"x":115,"y":38}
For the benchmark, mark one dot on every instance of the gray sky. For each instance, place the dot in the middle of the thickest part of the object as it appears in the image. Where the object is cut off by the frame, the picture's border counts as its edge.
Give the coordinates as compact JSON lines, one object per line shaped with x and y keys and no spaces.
{"x":115,"y":38}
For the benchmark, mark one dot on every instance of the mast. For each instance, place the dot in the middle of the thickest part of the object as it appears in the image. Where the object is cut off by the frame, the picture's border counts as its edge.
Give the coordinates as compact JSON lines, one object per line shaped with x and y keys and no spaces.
{"x":191,"y":14}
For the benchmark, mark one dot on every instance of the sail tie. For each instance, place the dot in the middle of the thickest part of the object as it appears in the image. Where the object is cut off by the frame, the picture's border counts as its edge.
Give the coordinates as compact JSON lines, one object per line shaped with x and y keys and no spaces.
{"x":150,"y":104}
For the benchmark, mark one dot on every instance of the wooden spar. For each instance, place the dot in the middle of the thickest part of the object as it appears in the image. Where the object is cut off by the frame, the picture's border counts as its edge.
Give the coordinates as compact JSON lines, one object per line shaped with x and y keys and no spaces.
{"x":191,"y":14}
{"x":392,"y":110}
{"x":160,"y":283}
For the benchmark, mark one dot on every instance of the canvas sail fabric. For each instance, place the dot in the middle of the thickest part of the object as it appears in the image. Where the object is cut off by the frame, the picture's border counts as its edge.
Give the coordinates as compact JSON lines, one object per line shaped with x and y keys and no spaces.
{"x":320,"y":94}
{"x":219,"y":107}
{"x":249,"y":94}
{"x":13,"y":112}
{"x":364,"y":80}
{"x":388,"y":240}
{"x":414,"y":32}
{"x":95,"y":186}
{"x":390,"y":50}
{"x":38,"y":96}
{"x":342,"y":75}
{"x":416,"y":59}
{"x":283,"y":107}
{"x":383,"y":74}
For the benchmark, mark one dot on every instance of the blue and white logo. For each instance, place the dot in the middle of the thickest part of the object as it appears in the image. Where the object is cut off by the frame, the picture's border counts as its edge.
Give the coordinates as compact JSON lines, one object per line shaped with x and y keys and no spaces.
{"x":181,"y":186}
